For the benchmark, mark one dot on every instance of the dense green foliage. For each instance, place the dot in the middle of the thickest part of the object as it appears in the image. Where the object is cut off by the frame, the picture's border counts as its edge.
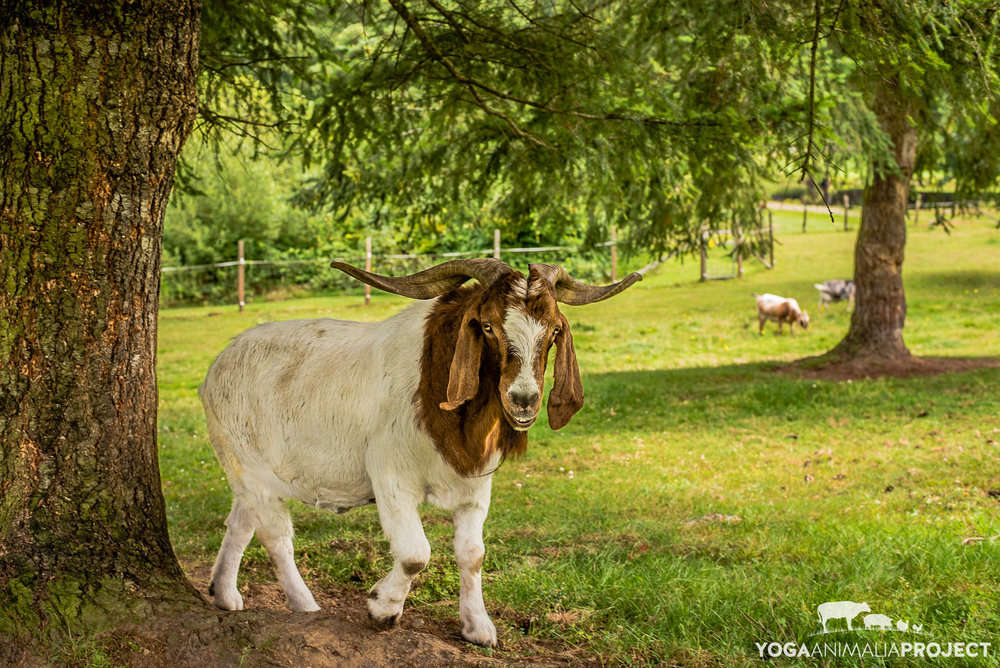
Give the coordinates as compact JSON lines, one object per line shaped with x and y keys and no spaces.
{"x":427,"y":124}
{"x":609,"y":537}
{"x":237,"y":194}
{"x":659,"y":117}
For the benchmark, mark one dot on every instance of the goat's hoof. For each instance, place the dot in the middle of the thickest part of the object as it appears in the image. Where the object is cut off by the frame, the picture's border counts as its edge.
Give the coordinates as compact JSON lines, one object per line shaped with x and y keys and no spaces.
{"x":383,"y":610}
{"x":482,"y":633}
{"x":306,"y":607}
{"x":385,"y":623}
{"x":228,"y":601}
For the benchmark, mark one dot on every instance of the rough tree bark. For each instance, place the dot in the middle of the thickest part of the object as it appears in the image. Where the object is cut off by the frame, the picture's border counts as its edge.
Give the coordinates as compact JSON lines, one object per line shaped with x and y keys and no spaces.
{"x":876,"y":329}
{"x":97,"y":99}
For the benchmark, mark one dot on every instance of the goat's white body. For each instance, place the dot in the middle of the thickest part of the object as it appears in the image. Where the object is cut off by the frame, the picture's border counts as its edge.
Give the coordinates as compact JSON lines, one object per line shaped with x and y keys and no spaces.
{"x":315,"y":417}
{"x":768,"y":305}
{"x":324,"y":411}
{"x":779,"y":310}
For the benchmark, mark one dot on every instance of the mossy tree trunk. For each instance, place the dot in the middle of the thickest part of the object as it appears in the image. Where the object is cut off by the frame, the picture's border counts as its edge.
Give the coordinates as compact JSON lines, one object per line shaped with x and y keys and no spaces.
{"x":876,"y":329}
{"x":96,"y":100}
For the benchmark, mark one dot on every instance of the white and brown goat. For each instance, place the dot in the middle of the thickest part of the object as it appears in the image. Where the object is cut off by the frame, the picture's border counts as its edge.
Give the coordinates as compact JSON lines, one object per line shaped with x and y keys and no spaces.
{"x":781,"y":310}
{"x":420,"y":407}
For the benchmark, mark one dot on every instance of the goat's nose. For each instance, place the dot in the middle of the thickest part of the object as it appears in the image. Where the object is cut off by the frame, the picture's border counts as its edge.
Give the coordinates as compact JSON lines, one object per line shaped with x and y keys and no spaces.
{"x":524,"y":399}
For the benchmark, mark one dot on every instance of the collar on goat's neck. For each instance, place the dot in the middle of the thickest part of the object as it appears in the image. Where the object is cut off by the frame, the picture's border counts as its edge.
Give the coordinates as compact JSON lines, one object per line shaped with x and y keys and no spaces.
{"x":469,"y":437}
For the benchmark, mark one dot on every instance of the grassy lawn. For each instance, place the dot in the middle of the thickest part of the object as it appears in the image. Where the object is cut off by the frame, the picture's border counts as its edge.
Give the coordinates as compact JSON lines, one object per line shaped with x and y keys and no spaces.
{"x":700,"y":502}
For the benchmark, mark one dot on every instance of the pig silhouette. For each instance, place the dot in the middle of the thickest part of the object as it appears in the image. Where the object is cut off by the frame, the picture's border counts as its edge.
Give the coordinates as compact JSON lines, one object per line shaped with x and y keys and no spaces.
{"x":880,"y":622}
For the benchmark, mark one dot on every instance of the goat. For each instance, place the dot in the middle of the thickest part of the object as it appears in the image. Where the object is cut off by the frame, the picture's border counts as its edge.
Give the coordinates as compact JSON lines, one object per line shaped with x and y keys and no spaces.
{"x":423,"y":406}
{"x":835,"y":290}
{"x":781,"y":310}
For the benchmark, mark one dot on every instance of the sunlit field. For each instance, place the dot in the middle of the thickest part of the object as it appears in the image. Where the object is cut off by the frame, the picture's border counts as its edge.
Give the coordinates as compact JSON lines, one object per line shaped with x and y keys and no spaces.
{"x":701,"y":502}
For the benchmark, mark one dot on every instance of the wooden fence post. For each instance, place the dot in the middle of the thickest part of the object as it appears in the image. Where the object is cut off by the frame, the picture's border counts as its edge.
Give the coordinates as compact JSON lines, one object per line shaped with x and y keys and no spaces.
{"x":805,"y":215}
{"x":847,"y":204}
{"x":614,"y":255}
{"x":704,"y":255}
{"x":770,"y":237}
{"x":368,"y":267}
{"x":240,"y":276}
{"x":916,"y":211}
{"x":496,"y":244}
{"x":738,"y":247}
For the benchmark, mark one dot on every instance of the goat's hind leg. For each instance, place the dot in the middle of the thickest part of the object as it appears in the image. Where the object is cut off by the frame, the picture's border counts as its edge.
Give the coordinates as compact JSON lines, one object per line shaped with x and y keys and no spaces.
{"x":274,"y":531}
{"x":239,"y":531}
{"x":273,"y":524}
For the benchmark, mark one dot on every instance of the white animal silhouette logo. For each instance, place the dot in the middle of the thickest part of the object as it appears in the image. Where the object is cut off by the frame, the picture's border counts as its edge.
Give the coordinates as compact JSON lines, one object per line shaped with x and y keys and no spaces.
{"x":918,"y":628}
{"x":880,"y":622}
{"x":846,"y":610}
{"x":901,"y":626}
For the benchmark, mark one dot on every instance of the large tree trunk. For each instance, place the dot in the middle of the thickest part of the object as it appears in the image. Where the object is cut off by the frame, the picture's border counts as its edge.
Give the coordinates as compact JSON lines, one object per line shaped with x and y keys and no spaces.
{"x":880,"y":310}
{"x":97,"y":100}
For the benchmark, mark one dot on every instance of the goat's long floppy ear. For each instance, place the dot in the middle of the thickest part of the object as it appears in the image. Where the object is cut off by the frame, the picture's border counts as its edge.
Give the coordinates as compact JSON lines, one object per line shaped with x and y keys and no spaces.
{"x":463,"y":379}
{"x":566,"y":397}
{"x":432,"y":282}
{"x":573,"y":292}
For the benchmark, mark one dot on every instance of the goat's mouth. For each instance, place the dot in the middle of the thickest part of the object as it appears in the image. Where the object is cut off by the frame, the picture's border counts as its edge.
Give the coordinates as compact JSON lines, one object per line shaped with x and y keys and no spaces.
{"x":522,"y":422}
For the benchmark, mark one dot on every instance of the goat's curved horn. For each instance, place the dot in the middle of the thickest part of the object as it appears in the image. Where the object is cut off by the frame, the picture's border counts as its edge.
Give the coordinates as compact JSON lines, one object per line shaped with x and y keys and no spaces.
{"x":432,"y":282}
{"x":573,"y":292}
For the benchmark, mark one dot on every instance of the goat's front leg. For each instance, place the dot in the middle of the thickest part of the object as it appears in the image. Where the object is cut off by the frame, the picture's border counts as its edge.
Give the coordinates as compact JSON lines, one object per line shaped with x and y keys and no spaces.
{"x":410,"y":551}
{"x":477,"y":627}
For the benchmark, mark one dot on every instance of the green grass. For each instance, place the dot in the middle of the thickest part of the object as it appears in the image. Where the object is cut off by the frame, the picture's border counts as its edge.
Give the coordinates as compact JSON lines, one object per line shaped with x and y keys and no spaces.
{"x":858,"y":490}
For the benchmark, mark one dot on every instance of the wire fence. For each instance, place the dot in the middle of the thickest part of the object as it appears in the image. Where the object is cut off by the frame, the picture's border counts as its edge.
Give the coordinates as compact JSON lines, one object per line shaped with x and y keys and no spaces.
{"x":241,"y":278}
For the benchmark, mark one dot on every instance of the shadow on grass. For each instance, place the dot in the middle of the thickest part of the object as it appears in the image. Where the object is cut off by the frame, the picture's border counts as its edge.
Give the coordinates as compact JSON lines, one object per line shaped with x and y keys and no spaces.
{"x":712,"y":395}
{"x":962,"y":279}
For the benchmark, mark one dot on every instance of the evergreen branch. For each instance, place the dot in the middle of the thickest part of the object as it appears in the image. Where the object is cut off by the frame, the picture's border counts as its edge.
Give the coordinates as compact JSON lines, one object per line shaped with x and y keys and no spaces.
{"x":244,"y":63}
{"x":983,"y":67}
{"x":457,"y":74}
{"x":213,"y":117}
{"x":449,"y":19}
{"x":475,"y":87}
{"x":535,"y":23}
{"x":836,"y":17}
{"x":812,"y":93}
{"x":239,"y":126}
{"x":821,"y":194}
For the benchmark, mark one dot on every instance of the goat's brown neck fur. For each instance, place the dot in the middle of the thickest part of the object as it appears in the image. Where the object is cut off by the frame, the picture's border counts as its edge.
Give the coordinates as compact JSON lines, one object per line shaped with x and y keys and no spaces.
{"x":470,"y":436}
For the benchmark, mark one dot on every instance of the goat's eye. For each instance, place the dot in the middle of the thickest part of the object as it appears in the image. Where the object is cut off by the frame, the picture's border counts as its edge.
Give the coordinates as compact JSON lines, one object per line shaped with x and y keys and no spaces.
{"x":555,"y":332}
{"x":487,"y":327}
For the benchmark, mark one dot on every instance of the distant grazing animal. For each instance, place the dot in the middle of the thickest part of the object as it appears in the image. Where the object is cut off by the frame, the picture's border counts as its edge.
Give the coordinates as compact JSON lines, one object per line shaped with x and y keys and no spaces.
{"x":901,"y":625}
{"x":781,"y":310}
{"x":423,"y":406}
{"x":878,"y":622}
{"x":835,"y":290}
{"x":847,"y":610}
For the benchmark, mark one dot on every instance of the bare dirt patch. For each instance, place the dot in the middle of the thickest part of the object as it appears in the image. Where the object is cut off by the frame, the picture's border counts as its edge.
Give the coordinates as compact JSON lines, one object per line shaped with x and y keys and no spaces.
{"x":267,"y":634}
{"x":816,"y":368}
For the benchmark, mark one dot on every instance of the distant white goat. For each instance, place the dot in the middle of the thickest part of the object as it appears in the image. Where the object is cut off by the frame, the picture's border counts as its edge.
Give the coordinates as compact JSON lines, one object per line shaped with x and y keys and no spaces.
{"x":781,"y":310}
{"x":420,"y":407}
